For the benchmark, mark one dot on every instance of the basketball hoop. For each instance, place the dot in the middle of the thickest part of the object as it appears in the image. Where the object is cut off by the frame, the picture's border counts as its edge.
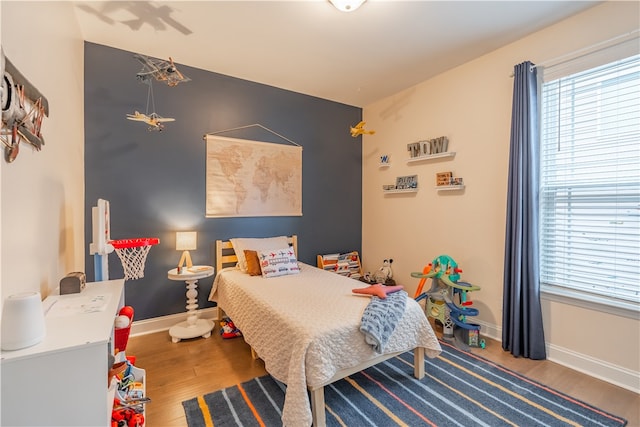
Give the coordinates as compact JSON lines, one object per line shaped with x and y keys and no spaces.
{"x":133,"y":254}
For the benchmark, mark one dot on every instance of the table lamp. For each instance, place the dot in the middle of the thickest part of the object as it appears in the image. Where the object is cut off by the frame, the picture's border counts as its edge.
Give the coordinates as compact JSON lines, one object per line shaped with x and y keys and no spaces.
{"x":186,"y":241}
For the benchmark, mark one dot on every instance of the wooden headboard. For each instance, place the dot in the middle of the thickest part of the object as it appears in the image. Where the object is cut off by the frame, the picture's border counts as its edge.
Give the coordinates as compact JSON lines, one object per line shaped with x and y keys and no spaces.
{"x":226,"y":257}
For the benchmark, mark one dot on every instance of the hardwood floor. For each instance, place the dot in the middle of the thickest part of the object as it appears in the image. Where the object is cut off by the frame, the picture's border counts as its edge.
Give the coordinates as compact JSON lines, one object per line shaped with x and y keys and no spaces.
{"x":177,"y":372}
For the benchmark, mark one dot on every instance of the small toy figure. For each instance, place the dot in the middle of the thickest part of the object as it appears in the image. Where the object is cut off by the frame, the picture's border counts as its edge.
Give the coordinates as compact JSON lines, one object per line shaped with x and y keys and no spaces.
{"x":384,"y":275}
{"x":228,"y":329}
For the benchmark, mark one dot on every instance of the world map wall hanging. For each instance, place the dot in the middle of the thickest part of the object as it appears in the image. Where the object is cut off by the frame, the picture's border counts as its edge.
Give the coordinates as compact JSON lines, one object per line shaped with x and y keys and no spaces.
{"x":252,"y":178}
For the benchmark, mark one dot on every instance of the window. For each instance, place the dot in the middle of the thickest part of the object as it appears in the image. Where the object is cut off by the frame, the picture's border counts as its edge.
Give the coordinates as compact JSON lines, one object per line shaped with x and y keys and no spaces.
{"x":590,"y":184}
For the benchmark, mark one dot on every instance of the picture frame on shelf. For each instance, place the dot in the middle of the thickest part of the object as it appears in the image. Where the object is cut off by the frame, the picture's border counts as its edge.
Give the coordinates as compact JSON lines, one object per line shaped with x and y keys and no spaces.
{"x":406,"y":182}
{"x":443,"y":178}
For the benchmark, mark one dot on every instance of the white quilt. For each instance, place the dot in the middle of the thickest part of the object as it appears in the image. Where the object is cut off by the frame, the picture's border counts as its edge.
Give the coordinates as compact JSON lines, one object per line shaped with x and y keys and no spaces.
{"x":305,"y":327}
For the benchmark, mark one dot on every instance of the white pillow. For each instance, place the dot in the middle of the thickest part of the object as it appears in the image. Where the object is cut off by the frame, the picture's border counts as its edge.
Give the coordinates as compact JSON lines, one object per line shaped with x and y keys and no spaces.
{"x":278,"y":262}
{"x":254,"y":244}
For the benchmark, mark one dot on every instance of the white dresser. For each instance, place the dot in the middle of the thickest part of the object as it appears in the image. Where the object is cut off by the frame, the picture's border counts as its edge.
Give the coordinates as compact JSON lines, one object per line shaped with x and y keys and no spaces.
{"x":62,"y":381}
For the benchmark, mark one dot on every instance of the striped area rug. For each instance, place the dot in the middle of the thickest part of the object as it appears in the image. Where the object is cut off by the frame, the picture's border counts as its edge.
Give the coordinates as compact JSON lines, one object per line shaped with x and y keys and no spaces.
{"x":459,"y":389}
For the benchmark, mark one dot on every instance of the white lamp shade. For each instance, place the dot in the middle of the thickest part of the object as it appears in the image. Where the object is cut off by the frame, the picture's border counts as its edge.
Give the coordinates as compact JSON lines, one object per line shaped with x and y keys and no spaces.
{"x":186,"y":240}
{"x":22,"y":321}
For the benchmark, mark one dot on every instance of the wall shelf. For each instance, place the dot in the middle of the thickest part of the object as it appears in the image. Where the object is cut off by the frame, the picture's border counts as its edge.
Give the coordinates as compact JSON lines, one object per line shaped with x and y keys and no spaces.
{"x":384,"y":165}
{"x":450,"y":187}
{"x":406,"y":190}
{"x":431,"y":157}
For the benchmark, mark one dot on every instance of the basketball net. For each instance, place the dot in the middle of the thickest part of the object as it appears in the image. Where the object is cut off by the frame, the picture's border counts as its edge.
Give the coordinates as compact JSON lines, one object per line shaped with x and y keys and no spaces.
{"x":133,"y":260}
{"x":133,"y":255}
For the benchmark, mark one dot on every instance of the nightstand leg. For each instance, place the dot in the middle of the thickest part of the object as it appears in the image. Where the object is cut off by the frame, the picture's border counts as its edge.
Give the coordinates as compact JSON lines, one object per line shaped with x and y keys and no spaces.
{"x":194,"y":326}
{"x":192,"y":302}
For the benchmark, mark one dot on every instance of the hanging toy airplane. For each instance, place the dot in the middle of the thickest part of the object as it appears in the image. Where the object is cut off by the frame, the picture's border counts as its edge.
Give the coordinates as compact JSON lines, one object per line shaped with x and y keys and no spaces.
{"x":360,"y":130}
{"x":160,"y":70}
{"x":154,"y":121}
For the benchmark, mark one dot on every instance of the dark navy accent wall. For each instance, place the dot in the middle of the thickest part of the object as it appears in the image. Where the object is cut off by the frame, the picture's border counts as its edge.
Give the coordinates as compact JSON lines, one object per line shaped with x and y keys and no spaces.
{"x":155,"y":181}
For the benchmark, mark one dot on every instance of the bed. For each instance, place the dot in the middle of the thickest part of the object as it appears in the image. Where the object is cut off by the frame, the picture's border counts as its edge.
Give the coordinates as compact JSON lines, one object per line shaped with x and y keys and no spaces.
{"x":305,"y":327}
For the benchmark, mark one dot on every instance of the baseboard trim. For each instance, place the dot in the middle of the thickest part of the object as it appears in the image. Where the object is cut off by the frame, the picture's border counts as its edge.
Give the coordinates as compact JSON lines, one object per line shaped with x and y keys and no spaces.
{"x":163,"y":323}
{"x":488,"y":330}
{"x":597,"y":368}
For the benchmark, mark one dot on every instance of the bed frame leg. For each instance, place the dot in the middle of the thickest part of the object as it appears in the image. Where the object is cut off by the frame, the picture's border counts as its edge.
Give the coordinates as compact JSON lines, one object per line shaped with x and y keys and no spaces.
{"x":318,"y":415}
{"x":418,"y":362}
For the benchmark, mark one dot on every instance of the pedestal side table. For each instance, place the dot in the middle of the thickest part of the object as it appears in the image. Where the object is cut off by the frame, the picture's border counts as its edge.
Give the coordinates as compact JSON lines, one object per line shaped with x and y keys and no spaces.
{"x":192,"y":327}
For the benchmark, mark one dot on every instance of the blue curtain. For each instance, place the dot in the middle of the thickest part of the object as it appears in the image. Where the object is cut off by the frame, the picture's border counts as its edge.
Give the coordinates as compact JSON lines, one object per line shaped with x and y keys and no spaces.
{"x":522,"y":332}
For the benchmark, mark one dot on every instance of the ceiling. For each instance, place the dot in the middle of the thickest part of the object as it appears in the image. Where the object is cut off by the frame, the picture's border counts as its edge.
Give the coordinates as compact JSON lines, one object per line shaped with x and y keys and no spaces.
{"x":308,"y":46}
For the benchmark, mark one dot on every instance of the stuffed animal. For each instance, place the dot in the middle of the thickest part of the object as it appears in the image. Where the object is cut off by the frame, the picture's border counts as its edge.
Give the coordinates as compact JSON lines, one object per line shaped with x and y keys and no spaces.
{"x":384,"y":275}
{"x":228,"y":329}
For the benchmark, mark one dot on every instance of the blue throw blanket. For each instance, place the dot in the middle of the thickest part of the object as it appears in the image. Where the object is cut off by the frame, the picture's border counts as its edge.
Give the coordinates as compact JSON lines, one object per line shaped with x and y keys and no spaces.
{"x":380,"y":318}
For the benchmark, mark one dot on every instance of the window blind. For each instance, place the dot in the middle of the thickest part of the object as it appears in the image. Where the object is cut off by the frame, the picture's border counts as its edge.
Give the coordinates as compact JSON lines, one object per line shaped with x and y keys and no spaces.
{"x":590,"y":181}
{"x":618,"y":48}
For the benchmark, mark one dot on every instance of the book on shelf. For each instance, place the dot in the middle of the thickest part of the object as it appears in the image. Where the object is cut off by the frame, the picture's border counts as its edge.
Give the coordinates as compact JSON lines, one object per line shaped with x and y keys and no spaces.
{"x":346,"y":264}
{"x":330,"y":258}
{"x":342,"y":267}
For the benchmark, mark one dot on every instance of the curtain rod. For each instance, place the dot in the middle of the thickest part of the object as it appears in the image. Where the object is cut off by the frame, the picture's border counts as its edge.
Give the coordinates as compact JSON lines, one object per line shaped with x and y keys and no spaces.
{"x":248,"y":126}
{"x":589,"y":49}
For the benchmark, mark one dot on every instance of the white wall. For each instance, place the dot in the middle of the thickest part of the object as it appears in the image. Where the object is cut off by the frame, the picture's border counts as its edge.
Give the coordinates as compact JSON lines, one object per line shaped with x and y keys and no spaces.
{"x":42,"y":199}
{"x":471,"y":105}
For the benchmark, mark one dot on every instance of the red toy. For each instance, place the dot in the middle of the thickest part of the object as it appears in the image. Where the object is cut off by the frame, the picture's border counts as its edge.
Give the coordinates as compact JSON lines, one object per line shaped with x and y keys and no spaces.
{"x":228,"y":329}
{"x":126,"y":417}
{"x":122,"y":334}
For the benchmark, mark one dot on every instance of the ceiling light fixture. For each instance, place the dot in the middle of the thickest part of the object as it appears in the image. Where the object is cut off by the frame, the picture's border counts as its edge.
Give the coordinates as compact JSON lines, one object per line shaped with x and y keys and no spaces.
{"x":347,"y":5}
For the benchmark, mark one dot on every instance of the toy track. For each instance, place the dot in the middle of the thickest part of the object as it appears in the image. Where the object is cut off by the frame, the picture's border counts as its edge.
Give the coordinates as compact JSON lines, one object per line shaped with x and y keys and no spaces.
{"x":460,"y":285}
{"x":457,"y":311}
